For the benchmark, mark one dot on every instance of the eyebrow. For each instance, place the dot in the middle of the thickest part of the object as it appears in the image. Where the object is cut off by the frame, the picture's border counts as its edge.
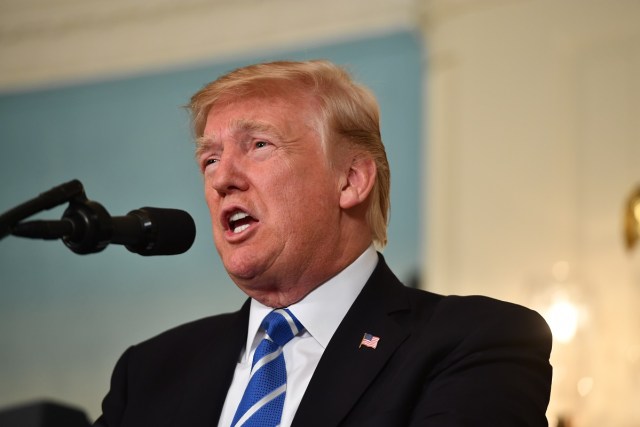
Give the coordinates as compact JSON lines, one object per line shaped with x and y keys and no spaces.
{"x":238,"y":126}
{"x":202,"y":144}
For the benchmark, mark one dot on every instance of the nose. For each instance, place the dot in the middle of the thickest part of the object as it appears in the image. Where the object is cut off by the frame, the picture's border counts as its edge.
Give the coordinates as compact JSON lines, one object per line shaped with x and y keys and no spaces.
{"x":228,"y":175}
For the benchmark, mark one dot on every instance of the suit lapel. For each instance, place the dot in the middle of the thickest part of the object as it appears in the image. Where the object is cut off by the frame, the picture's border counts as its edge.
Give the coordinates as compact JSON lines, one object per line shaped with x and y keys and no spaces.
{"x":346,"y":369}
{"x":211,"y":373}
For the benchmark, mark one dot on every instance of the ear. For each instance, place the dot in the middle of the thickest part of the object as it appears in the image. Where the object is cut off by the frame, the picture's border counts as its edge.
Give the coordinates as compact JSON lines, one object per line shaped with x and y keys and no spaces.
{"x":360,"y":178}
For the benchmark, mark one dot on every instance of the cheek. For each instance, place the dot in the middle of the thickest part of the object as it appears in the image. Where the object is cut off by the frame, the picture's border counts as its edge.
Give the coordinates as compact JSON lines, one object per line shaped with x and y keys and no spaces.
{"x":310,"y":205}
{"x":211,"y":196}
{"x":212,"y":205}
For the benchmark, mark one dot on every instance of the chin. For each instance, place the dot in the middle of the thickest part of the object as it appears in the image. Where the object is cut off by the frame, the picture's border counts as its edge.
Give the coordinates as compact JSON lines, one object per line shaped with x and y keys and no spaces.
{"x":241,"y":273}
{"x":242,"y":270}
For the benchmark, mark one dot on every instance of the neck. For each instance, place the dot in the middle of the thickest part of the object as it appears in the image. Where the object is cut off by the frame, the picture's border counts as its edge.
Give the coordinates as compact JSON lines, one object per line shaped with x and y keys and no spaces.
{"x":280,"y":294}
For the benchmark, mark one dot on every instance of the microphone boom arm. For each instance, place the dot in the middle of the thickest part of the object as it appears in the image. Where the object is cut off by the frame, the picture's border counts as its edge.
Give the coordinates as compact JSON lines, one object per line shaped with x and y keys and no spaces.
{"x":47,"y":200}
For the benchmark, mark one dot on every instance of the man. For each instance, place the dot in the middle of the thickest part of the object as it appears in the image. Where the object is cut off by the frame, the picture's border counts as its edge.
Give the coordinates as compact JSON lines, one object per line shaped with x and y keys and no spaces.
{"x":297,"y":184}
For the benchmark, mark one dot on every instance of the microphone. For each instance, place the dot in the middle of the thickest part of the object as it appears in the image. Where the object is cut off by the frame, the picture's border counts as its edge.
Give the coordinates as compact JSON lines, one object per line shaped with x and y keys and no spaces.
{"x":87,"y":228}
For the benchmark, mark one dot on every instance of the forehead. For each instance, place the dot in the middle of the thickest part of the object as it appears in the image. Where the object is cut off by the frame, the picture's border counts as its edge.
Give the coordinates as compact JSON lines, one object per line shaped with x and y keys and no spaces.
{"x":260,"y":113}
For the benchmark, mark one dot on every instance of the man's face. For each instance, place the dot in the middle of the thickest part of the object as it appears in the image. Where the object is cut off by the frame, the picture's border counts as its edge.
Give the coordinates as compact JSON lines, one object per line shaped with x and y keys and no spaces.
{"x":272,"y":196}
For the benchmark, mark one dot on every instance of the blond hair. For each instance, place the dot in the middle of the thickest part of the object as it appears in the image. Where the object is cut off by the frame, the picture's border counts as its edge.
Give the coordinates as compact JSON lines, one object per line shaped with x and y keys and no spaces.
{"x":348,"y":111}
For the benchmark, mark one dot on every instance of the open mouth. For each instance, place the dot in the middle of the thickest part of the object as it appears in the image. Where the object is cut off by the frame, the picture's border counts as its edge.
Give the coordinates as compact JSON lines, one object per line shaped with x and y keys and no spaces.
{"x":240,"y":221}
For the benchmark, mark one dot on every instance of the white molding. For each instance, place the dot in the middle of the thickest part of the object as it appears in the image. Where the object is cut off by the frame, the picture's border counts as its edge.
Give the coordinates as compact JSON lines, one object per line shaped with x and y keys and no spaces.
{"x":49,"y":42}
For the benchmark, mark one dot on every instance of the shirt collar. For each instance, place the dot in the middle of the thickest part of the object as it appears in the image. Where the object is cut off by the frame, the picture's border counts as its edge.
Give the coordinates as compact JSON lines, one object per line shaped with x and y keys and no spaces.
{"x":322,"y":310}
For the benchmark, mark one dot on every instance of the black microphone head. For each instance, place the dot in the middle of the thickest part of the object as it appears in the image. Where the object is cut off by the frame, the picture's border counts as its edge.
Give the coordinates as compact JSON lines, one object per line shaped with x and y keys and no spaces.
{"x":167,"y":231}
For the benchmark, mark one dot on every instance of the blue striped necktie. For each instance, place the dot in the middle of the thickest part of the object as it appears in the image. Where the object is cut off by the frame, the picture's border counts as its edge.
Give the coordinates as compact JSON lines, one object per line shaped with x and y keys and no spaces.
{"x":263,"y":399}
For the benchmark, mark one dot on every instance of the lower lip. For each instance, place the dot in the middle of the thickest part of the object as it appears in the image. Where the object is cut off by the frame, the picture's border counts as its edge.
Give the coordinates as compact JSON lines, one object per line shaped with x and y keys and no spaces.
{"x":236,"y":237}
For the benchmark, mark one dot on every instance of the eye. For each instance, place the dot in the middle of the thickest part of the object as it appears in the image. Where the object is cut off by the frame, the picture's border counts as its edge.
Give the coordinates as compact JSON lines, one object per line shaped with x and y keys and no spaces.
{"x":209,"y":161}
{"x":261,"y":144}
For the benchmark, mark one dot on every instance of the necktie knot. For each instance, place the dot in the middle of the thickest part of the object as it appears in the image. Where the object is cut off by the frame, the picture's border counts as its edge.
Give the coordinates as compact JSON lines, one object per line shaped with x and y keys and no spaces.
{"x":281,"y":326}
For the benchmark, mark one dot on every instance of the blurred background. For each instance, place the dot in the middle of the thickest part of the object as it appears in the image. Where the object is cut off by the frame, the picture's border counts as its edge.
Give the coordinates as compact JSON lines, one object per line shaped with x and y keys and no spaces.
{"x":512,"y":128}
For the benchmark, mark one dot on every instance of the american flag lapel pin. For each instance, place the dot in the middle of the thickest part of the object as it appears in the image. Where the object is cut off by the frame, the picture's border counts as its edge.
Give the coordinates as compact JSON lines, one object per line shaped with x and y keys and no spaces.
{"x":369,"y":340}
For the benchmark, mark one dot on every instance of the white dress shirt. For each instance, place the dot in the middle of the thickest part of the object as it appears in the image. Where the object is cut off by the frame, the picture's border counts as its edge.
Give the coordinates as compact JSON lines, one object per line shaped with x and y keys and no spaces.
{"x":320,"y":312}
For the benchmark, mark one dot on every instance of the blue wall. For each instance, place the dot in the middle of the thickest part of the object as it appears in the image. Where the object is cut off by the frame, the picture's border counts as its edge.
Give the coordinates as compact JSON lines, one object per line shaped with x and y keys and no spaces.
{"x":65,"y":318}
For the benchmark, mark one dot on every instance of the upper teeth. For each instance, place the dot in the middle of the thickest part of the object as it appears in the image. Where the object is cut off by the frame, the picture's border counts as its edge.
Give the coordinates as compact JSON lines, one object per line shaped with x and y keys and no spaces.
{"x":238,"y":216}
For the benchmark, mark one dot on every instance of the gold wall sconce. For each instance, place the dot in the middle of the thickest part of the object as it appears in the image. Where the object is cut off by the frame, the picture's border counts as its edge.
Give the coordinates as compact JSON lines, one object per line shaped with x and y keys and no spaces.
{"x":632,"y":219}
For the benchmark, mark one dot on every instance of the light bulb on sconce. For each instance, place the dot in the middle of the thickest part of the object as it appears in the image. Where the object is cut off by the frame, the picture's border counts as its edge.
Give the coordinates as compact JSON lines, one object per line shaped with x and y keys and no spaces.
{"x":562,"y":317}
{"x":561,"y":305}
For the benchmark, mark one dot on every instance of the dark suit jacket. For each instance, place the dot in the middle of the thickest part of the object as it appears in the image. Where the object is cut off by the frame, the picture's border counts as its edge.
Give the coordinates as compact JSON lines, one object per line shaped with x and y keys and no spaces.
{"x":441,"y":361}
